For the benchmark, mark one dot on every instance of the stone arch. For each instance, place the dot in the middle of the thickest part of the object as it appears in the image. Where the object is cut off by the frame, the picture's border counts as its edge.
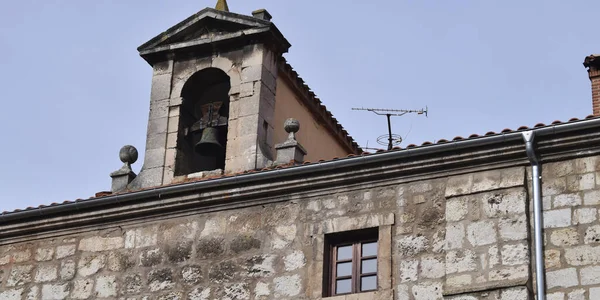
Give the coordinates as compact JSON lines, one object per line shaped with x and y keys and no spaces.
{"x":205,"y":104}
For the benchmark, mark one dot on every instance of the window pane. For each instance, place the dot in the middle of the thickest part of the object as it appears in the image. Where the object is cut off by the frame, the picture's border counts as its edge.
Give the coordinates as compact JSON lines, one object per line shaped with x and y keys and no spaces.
{"x":344,"y":252}
{"x":368,"y":266}
{"x":344,"y":269}
{"x":369,"y":249}
{"x":368,"y":283}
{"x":343,"y":286}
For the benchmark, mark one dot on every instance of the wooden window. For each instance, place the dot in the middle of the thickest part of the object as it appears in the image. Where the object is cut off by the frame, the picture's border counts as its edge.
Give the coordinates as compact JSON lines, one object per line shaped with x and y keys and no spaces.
{"x":352,"y":262}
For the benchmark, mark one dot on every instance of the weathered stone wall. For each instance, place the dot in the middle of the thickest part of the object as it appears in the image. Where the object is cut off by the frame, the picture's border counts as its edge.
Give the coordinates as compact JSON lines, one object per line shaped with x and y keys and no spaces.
{"x":457,"y":237}
{"x":571,"y":196}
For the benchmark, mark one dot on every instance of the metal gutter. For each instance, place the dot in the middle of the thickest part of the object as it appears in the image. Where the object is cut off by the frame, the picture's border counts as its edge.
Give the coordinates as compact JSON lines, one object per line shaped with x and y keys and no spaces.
{"x":529,"y":138}
{"x":161,"y":192}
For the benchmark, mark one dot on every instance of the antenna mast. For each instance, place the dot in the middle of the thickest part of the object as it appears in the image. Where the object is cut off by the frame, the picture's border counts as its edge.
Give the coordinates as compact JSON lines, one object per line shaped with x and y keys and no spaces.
{"x":392,"y":113}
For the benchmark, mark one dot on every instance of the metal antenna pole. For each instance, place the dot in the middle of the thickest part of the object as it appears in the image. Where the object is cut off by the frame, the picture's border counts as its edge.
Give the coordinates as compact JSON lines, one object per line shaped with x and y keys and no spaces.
{"x":389,"y":113}
{"x":390,"y":145}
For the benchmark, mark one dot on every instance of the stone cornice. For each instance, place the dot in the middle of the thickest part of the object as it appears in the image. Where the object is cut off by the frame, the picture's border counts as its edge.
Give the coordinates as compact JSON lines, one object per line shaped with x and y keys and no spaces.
{"x":302,"y":181}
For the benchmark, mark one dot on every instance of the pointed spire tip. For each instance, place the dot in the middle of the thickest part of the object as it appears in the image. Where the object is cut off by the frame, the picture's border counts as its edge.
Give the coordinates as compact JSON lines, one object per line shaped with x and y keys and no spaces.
{"x":222,"y":5}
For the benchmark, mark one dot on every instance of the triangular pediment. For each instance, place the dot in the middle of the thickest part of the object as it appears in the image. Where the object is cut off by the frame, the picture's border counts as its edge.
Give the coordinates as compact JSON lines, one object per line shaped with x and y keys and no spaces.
{"x":206,"y":24}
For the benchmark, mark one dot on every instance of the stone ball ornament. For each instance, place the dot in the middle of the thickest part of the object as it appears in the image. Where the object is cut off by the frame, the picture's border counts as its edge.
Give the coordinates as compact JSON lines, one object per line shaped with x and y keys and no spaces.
{"x":128,"y":154}
{"x":291,"y":125}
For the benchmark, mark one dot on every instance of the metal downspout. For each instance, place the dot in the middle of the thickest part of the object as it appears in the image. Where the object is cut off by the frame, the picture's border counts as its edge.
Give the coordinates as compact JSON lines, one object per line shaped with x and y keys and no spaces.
{"x":528,"y":137}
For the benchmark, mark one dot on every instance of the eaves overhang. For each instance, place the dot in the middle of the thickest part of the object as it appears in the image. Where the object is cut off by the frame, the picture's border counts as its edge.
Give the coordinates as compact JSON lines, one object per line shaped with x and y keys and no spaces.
{"x":554,"y":142}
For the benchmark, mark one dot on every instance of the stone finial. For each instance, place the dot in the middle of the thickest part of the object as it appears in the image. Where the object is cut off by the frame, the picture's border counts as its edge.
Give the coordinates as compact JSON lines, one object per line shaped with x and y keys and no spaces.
{"x":123,"y":176}
{"x":290,"y":150}
{"x":222,"y":5}
{"x":262,"y":14}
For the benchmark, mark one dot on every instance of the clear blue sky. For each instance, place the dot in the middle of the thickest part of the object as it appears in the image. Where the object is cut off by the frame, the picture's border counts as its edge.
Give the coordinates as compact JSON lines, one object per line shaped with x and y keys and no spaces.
{"x":74,"y":89}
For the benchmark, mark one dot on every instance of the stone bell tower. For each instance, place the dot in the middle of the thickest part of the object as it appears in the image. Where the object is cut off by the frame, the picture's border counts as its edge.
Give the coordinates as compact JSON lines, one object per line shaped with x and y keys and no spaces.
{"x":213,"y":96}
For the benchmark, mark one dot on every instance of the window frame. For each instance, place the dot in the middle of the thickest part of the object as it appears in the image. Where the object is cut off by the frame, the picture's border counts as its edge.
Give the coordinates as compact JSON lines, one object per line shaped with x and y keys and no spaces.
{"x":356,"y":239}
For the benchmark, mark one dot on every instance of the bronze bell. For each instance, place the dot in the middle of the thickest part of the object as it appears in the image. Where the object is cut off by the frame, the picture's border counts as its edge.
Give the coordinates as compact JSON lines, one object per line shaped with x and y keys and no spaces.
{"x":209,"y":143}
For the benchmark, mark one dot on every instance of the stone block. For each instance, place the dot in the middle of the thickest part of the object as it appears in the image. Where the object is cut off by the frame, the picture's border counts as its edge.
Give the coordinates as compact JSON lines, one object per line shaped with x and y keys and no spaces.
{"x":595,"y":293}
{"x":456,"y":209}
{"x":554,"y":186}
{"x":222,"y":63}
{"x":173,"y":124}
{"x":555,"y":296}
{"x":582,"y":255}
{"x":172,"y":140}
{"x":410,"y":246}
{"x":106,"y":286}
{"x":154,"y":158}
{"x":514,"y":293}
{"x":19,"y":275}
{"x":141,"y":237}
{"x":577,"y":295}
{"x":592,"y":235}
{"x":163,"y":67}
{"x":586,"y":164}
{"x":564,"y":200}
{"x":156,"y":141}
{"x":161,"y":87}
{"x":458,"y":281}
{"x":584,"y":215}
{"x":513,"y":229}
{"x":246,"y":89}
{"x":33,"y":293}
{"x":557,"y":218}
{"x":590,"y":275}
{"x":90,"y":264}
{"x":427,"y":291}
{"x":455,"y":235}
{"x":67,"y":270}
{"x":44,"y":254}
{"x":460,"y":261}
{"x":459,"y":185}
{"x":11,"y":294}
{"x":509,"y":274}
{"x":45,"y":273}
{"x":150,"y":177}
{"x":409,"y":270}
{"x":564,"y":278}
{"x":559,"y":169}
{"x":22,"y":255}
{"x":432,"y":267}
{"x":504,"y":203}
{"x":82,"y":288}
{"x":159,"y":109}
{"x":98,"y":244}
{"x":587,"y":181}
{"x":591,"y":197}
{"x":481,"y":233}
{"x":55,"y":291}
{"x":294,"y":261}
{"x":515,"y":254}
{"x":565,"y":237}
{"x":157,"y":126}
{"x":287,"y":286}
{"x":552,"y":259}
{"x":205,"y":293}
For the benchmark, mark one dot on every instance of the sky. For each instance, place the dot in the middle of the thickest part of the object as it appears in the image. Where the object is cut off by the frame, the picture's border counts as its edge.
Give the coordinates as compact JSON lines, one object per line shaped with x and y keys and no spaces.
{"x":74,"y":89}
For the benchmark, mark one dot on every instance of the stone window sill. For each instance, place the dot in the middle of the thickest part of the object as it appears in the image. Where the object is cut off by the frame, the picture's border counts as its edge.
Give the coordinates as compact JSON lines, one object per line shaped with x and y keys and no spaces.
{"x":376,"y":295}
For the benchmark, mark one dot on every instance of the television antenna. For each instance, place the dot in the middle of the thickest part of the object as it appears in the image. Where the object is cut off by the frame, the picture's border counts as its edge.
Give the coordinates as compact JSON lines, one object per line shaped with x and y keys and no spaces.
{"x":392,"y":139}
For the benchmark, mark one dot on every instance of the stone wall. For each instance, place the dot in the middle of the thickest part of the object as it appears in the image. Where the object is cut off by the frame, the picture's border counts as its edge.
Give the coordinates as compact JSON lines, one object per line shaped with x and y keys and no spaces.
{"x":571,"y":228}
{"x":461,"y":236}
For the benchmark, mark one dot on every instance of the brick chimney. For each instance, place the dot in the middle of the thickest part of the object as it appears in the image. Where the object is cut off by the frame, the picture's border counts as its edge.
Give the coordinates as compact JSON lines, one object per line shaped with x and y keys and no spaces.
{"x":592,"y":63}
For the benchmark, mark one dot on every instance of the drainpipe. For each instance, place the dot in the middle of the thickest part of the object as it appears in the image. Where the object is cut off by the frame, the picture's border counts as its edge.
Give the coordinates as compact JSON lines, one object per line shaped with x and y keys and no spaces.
{"x":528,"y":137}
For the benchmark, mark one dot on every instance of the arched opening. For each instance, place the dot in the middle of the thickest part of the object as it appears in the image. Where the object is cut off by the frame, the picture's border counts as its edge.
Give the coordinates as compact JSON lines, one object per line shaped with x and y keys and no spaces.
{"x":203,"y":122}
